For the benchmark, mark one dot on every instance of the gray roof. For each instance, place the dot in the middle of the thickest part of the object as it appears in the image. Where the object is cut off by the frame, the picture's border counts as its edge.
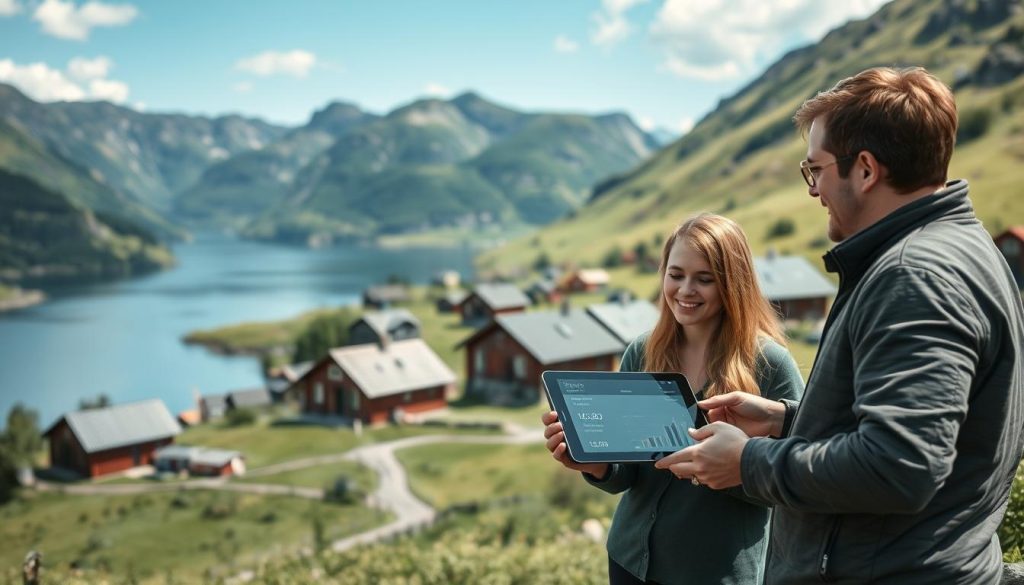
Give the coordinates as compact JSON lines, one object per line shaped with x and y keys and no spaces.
{"x":401,"y":366}
{"x":252,"y":397}
{"x":213,"y":401}
{"x":100,"y":429}
{"x":501,"y":296}
{"x":625,"y":320}
{"x":455,"y":297}
{"x":384,"y":322}
{"x":552,"y":337}
{"x":387,"y":293}
{"x":543,"y":286}
{"x":175,"y":452}
{"x":213,"y":457}
{"x":784,"y":278}
{"x":293,"y":372}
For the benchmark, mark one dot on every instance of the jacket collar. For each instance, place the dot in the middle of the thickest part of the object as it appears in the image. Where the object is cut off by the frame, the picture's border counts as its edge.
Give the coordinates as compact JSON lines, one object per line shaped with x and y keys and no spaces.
{"x":852,"y":257}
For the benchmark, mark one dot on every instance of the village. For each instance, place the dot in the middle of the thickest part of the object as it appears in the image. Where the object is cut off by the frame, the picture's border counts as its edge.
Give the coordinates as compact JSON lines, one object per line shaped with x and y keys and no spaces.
{"x":345,"y":428}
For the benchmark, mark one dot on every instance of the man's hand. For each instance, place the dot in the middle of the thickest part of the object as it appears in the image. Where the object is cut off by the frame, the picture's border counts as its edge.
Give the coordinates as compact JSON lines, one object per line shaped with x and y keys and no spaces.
{"x":754,"y":415}
{"x":556,"y":444}
{"x":714,"y":461}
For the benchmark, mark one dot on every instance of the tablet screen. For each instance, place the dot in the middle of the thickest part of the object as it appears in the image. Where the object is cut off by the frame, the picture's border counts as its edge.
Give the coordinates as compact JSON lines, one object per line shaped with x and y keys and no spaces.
{"x":629,"y":416}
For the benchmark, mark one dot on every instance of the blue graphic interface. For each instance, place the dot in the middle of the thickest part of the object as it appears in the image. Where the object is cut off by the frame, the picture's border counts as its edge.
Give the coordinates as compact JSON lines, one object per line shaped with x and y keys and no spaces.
{"x":619,"y":416}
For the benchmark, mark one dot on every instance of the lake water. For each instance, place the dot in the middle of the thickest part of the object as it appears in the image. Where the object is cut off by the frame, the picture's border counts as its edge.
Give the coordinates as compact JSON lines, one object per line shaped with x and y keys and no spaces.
{"x":124,"y":338}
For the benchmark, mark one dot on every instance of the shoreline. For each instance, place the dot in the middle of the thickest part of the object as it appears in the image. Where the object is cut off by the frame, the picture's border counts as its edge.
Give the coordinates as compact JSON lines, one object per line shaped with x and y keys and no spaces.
{"x":22,"y":299}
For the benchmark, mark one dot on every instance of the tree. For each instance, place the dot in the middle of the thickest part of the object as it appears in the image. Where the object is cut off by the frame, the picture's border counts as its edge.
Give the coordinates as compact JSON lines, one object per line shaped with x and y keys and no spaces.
{"x":323,"y":333}
{"x":19,"y":443}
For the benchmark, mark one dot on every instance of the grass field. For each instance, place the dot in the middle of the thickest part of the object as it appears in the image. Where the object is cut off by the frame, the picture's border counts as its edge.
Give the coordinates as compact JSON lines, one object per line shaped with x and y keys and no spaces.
{"x":151,"y":536}
{"x":320,"y":476}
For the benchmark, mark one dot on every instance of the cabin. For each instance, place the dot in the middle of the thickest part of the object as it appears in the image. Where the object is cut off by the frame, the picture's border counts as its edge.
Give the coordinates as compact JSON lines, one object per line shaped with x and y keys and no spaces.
{"x":505,"y":358}
{"x":796,"y":289}
{"x":446,"y":279}
{"x":376,"y":383}
{"x":252,"y":399}
{"x":280,"y":379}
{"x":488,"y":300}
{"x":450,"y":301}
{"x":544,"y":291}
{"x":212,"y":406}
{"x":625,"y":319}
{"x":198,"y":461}
{"x":1011,"y":245}
{"x":107,"y":440}
{"x":382,"y":297}
{"x":383,"y":326}
{"x":587,"y":280}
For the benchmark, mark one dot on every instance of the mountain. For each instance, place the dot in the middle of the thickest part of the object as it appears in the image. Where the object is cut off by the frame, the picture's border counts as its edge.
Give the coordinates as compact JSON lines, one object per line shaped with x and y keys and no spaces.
{"x":45,"y":238}
{"x":248,"y":183}
{"x":741,"y":159}
{"x":462,"y":162}
{"x":148,"y":158}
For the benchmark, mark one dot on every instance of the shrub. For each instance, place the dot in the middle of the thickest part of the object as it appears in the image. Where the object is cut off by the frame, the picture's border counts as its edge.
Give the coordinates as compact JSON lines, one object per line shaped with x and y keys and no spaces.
{"x":783,"y":227}
{"x":612,"y":257}
{"x":237,"y":417}
{"x":1011,"y":531}
{"x":973,"y":124}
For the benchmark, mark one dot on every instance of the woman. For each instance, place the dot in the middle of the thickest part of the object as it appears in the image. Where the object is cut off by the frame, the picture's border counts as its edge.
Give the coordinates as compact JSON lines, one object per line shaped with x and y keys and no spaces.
{"x":717,"y":329}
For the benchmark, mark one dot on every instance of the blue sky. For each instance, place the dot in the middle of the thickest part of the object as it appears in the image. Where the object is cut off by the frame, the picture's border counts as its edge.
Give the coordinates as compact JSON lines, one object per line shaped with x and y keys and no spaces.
{"x":665,"y":62}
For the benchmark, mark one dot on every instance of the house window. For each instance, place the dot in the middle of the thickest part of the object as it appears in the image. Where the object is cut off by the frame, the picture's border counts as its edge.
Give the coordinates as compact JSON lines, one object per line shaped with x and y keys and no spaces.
{"x":519,"y":367}
{"x":355,"y":401}
{"x":478,"y":361}
{"x":334,"y":373}
{"x":407,"y":397}
{"x":318,"y":393}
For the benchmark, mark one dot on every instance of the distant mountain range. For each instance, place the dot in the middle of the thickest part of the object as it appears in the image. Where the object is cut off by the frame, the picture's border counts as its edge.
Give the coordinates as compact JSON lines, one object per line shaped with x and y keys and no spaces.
{"x":741,"y":159}
{"x":346,"y":174}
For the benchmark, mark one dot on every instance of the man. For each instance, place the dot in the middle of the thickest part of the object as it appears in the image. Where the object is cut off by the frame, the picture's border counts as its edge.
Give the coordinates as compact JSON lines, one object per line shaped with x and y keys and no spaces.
{"x":896,"y":465}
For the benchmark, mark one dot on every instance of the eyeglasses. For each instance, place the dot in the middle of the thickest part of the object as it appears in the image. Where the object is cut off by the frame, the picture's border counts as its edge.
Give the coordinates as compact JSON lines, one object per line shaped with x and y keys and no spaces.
{"x":811,"y":173}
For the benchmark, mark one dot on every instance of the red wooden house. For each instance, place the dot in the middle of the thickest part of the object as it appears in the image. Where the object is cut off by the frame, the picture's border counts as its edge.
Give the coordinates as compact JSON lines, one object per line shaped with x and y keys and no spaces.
{"x":504,"y":359}
{"x":587,"y":280}
{"x":107,"y":440}
{"x":1011,"y":244}
{"x":796,"y":289}
{"x":374,"y":383}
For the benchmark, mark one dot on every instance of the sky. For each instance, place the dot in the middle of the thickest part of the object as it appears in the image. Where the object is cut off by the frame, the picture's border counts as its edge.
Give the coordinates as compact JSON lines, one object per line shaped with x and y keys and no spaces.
{"x":665,"y":62}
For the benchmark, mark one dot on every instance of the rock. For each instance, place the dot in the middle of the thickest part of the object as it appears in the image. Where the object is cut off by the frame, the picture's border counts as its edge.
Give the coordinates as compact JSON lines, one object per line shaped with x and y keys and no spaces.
{"x":1013,"y":574}
{"x":593,"y":530}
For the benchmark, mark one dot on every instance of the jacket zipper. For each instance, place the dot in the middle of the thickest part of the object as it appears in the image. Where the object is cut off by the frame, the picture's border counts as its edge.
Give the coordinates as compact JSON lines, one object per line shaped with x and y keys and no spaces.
{"x":826,"y":550}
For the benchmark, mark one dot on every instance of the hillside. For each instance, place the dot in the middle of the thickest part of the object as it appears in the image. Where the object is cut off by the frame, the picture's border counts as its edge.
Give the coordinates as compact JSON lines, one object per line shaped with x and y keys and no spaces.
{"x":464,"y":162}
{"x":741,"y":159}
{"x":44,"y":238}
{"x":148,"y":158}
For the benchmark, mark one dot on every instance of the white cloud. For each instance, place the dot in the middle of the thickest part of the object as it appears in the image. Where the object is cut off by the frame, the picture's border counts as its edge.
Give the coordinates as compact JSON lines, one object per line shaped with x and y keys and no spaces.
{"x":84,"y":69}
{"x":109,"y":90}
{"x":9,"y":7}
{"x":296,"y":63}
{"x":719,"y":39}
{"x":610,"y":24}
{"x":66,"y":21}
{"x":685,"y":125}
{"x":564,"y":44}
{"x":45,"y":84}
{"x":243,"y":87}
{"x":645,"y":123}
{"x":436,"y":90}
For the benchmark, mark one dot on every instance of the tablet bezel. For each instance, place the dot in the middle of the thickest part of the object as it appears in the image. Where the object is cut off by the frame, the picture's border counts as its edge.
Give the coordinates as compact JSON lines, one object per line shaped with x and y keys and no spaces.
{"x":576,"y":452}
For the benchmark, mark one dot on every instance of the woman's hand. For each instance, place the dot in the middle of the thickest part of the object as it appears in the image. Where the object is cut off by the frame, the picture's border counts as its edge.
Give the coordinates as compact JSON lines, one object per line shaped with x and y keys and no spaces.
{"x":556,"y":444}
{"x":754,"y":415}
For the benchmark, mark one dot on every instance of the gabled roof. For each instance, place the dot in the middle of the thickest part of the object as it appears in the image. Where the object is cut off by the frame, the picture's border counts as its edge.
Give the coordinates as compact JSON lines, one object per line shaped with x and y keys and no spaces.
{"x":384,"y":322}
{"x":213,"y":401}
{"x":100,"y":429}
{"x":784,"y":278}
{"x":401,"y":366}
{"x":625,"y":320}
{"x":552,"y":337}
{"x":387,"y":293}
{"x":293,"y":372}
{"x":593,"y":275}
{"x":249,"y":398}
{"x":501,"y":296}
{"x":213,"y":457}
{"x":175,"y":452}
{"x":543,"y":286}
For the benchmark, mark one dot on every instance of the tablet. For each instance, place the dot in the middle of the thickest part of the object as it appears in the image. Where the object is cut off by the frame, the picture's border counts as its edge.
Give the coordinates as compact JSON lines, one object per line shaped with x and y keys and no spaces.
{"x":613,"y":417}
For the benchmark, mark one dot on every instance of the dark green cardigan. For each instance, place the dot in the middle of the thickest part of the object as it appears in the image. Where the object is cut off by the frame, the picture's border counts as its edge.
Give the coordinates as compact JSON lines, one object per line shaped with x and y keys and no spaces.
{"x":669,"y":531}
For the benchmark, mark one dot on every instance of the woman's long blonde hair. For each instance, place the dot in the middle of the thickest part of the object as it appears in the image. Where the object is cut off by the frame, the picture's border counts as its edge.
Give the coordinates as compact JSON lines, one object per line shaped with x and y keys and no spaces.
{"x":746,"y":314}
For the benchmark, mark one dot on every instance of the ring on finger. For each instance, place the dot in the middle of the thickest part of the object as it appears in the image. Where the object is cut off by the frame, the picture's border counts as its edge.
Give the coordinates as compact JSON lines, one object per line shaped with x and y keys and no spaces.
{"x":695,"y":481}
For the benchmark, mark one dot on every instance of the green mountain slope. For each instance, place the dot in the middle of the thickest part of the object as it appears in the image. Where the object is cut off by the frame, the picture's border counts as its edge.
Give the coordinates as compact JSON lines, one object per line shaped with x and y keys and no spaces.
{"x":44,"y":238}
{"x":245,"y":185}
{"x":742,"y":158}
{"x":463,"y":162}
{"x":147,"y":157}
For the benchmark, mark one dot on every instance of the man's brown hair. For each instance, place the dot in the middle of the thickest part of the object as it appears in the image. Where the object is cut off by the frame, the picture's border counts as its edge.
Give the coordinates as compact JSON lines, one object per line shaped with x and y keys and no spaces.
{"x":906,"y":118}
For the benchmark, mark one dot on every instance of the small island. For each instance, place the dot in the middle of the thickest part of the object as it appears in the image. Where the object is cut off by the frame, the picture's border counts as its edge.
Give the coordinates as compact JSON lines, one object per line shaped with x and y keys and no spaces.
{"x":14,"y":298}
